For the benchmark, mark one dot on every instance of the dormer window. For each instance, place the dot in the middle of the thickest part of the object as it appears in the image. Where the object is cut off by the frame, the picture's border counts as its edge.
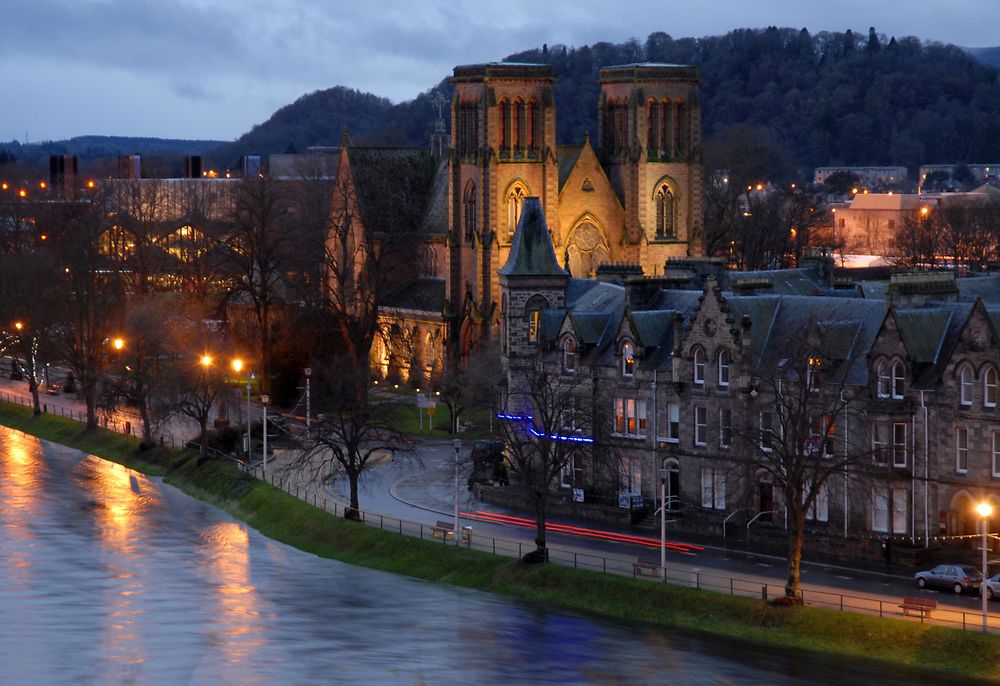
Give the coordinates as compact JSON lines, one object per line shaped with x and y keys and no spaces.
{"x":965,"y":386}
{"x":724,"y":369}
{"x":882,"y":380}
{"x":569,"y":356}
{"x":897,"y":380}
{"x":698,"y":357}
{"x":628,"y":359}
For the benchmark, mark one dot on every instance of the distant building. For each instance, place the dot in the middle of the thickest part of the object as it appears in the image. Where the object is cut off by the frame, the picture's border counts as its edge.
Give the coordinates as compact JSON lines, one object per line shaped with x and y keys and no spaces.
{"x":978,"y":173}
{"x":867,"y":175}
{"x":869,"y":223}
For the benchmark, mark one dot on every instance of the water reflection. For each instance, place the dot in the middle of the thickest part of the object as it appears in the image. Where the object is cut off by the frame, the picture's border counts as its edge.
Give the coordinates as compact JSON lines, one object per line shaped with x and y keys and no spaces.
{"x":236,"y":630}
{"x":112,"y":578}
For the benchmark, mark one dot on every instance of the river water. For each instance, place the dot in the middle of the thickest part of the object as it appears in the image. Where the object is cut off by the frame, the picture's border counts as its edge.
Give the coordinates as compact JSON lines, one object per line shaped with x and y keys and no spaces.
{"x":109,"y":577}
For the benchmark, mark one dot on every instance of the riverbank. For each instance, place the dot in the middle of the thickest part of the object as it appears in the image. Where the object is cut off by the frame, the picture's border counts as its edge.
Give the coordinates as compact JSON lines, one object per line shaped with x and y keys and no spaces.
{"x":285,"y":518}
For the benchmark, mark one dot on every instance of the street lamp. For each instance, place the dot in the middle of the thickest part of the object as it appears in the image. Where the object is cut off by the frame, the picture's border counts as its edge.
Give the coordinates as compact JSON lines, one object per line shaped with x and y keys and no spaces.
{"x":984,"y":510}
{"x":237,"y":365}
{"x":118,"y":343}
{"x":264,"y":399}
{"x":457,"y":443}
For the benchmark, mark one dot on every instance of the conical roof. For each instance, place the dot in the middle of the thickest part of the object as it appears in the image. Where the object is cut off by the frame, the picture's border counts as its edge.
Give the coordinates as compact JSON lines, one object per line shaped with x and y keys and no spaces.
{"x":531,"y":253}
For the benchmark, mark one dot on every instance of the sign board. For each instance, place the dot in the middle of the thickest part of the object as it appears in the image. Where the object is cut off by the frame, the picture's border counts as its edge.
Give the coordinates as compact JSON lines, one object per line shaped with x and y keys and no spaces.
{"x":430,"y":407}
{"x":577,"y":495}
{"x":421,"y":399}
{"x":246,"y":443}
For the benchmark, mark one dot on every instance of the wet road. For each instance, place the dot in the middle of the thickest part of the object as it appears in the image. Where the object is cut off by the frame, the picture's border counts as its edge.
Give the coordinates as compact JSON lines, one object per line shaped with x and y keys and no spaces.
{"x":112,"y":578}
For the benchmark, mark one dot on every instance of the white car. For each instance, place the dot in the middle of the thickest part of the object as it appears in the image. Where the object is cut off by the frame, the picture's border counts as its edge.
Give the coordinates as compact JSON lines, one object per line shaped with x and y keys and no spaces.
{"x":992,"y":586}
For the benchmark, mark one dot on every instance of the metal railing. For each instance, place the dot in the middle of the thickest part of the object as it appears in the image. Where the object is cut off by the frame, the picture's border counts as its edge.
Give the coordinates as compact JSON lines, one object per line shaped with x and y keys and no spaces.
{"x":622,"y":566}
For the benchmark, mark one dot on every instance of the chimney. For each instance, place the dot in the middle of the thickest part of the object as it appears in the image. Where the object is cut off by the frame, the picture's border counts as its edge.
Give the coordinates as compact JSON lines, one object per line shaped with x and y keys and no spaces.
{"x":62,"y":174}
{"x":920,"y":287}
{"x":250,"y":165}
{"x":617,"y":272}
{"x":129,"y":167}
{"x":192,"y":167}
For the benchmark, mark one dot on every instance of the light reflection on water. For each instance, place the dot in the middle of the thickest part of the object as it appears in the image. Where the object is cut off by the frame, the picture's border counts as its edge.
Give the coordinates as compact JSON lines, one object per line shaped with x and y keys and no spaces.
{"x":113,"y":578}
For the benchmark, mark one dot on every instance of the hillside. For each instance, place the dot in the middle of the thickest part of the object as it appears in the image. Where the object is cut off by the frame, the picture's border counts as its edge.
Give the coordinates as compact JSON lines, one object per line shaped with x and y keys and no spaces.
{"x":990,"y":56}
{"x":831,"y":98}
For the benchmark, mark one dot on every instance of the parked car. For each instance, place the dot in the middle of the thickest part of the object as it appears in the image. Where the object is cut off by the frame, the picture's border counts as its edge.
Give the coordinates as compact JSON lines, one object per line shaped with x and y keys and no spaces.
{"x":954,"y":577}
{"x":992,"y":586}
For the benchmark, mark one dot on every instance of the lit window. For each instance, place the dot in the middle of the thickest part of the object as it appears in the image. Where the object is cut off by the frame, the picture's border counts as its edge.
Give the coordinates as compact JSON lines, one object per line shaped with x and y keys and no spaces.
{"x":961,"y":450}
{"x":630,"y":417}
{"x":965,"y":385}
{"x":990,"y":387}
{"x":724,"y":369}
{"x":665,"y":213}
{"x":698,"y":356}
{"x":628,"y":359}
{"x":534,"y":318}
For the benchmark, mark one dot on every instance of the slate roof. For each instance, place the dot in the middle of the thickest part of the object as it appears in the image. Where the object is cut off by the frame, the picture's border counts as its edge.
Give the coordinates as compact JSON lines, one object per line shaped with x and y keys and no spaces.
{"x":567,"y":156}
{"x":395,"y":187}
{"x":801,"y":281}
{"x":923,"y":329}
{"x":424,"y":294}
{"x":531,"y":253}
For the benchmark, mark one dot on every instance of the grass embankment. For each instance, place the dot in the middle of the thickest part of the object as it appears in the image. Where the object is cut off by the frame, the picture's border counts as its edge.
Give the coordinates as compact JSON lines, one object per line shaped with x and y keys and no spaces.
{"x":296,"y":523}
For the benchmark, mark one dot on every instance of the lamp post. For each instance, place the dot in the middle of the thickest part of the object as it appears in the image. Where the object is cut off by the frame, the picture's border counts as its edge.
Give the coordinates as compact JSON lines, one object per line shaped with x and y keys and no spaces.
{"x":309,"y":372}
{"x":457,"y":443}
{"x":663,"y":516}
{"x":237,"y":365}
{"x":264,"y":399}
{"x":984,"y":510}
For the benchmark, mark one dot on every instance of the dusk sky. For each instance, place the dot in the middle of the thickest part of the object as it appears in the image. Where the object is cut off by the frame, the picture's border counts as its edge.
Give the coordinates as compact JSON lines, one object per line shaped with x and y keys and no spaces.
{"x":214,"y":68}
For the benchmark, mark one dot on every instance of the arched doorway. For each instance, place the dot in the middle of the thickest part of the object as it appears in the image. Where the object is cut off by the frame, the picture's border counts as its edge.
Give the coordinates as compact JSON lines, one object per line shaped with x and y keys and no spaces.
{"x":962,"y":519}
{"x":587,"y":249}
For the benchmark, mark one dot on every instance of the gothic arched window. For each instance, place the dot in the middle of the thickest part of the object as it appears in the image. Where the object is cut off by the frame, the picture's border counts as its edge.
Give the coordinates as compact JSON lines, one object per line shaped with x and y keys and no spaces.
{"x":519,"y":126}
{"x":470,"y":209}
{"x":504,"y":145}
{"x":515,"y":201}
{"x":665,"y":227}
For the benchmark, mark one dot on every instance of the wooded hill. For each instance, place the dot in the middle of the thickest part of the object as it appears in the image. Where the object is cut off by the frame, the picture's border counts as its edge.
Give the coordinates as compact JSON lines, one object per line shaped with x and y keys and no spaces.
{"x":830,"y":98}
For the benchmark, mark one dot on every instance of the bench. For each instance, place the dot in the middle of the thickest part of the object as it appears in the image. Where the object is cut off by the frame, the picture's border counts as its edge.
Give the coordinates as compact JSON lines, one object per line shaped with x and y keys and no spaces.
{"x":647,"y":565}
{"x":924,"y":606}
{"x":443,"y":530}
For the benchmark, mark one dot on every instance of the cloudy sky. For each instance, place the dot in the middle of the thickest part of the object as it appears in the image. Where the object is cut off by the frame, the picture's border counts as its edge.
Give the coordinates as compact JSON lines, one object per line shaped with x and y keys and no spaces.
{"x":214,"y":68}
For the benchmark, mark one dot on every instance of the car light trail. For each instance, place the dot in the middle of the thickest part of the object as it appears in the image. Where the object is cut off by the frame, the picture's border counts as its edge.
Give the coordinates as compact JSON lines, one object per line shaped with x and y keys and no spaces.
{"x":511,"y":520}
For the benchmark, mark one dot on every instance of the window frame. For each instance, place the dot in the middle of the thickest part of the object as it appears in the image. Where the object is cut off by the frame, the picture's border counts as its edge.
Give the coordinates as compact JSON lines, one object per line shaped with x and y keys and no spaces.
{"x":569,"y":355}
{"x":698,"y":366}
{"x":899,"y":447}
{"x":725,"y":427}
{"x":630,"y":418}
{"x":673,"y":422}
{"x":966,"y":380}
{"x":961,"y":450}
{"x":723,"y":364}
{"x":713,"y":488}
{"x":883,"y":381}
{"x":996,"y":453}
{"x":700,"y":427}
{"x":990,"y":390}
{"x":628,"y":359}
{"x":898,"y":387}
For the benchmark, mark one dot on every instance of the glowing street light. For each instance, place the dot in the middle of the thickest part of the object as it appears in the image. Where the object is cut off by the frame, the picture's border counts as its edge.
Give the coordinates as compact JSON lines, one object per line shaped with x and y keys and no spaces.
{"x":19,"y":326}
{"x":205,"y":360}
{"x":984,"y":510}
{"x":118,"y":343}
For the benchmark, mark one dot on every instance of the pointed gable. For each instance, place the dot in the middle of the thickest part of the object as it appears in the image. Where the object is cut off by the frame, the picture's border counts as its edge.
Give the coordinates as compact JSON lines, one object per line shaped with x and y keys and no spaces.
{"x":531,"y":253}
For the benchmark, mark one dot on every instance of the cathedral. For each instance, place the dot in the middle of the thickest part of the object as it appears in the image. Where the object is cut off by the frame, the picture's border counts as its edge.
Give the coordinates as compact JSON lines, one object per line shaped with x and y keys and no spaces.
{"x":633,"y":198}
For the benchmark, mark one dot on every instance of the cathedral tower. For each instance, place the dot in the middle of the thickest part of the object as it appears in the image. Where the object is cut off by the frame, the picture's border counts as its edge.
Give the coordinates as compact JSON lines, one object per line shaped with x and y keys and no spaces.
{"x":649,"y":122}
{"x":503,"y":151}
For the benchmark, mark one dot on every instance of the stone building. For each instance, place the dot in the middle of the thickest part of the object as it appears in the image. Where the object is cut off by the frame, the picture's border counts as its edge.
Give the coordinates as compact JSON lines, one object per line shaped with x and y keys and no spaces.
{"x":636,"y":197}
{"x":900,"y":386}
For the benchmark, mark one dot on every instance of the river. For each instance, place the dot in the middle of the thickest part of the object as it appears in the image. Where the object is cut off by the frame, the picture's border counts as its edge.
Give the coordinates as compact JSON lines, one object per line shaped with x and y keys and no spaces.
{"x":110,"y":577}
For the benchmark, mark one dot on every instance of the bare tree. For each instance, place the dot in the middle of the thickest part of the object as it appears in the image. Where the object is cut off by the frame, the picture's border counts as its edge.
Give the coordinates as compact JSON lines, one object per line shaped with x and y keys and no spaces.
{"x":30,"y":315}
{"x":140,"y":207}
{"x":257,"y":245}
{"x":354,"y":426}
{"x":195,"y":383}
{"x":552,"y":424}
{"x":471,"y":385}
{"x":794,"y":434}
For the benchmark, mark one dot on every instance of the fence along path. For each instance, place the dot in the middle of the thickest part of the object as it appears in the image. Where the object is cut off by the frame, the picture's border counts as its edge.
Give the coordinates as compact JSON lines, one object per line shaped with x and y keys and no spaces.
{"x":622,"y":566}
